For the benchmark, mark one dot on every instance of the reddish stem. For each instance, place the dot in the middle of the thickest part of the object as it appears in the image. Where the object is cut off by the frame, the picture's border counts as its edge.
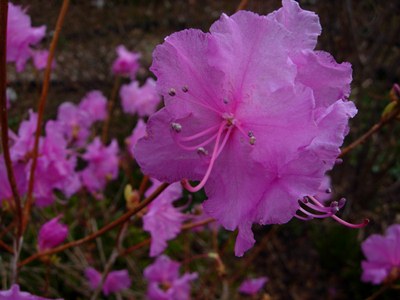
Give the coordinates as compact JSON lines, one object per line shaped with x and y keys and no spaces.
{"x":3,"y":112}
{"x":242,"y":5}
{"x":41,"y":106}
{"x":111,"y":104}
{"x":392,"y":116}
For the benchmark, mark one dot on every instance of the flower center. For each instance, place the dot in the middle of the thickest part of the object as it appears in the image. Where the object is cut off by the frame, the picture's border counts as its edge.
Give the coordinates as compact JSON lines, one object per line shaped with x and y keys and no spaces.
{"x":217,"y":134}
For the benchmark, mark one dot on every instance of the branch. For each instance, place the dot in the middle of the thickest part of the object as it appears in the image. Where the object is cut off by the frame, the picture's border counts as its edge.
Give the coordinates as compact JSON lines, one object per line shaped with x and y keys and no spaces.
{"x":384,"y":120}
{"x":3,"y":112}
{"x":41,"y":106}
{"x":125,"y":217}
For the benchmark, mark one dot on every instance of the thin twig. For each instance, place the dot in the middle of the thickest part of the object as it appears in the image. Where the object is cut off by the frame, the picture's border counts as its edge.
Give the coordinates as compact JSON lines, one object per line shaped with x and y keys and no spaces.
{"x":379,"y":292}
{"x":111,"y":103}
{"x":3,"y":112}
{"x":385,"y":120}
{"x":148,"y":241}
{"x":125,"y":217}
{"x":41,"y":106}
{"x":6,"y":247}
{"x":242,"y":5}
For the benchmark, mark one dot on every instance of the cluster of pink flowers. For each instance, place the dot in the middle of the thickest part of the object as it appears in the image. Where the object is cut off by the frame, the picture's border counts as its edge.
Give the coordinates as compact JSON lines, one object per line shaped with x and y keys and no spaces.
{"x":65,"y":140}
{"x":21,"y":37}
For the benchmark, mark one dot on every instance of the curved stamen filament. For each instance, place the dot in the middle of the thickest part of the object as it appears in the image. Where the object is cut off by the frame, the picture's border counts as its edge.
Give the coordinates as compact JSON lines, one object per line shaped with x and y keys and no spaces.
{"x":214,"y":155}
{"x":326,"y":215}
{"x":200,"y":134}
{"x":333,"y":216}
{"x":307,"y":218}
{"x":224,"y":141}
{"x":198,"y":102}
{"x":202,"y":144}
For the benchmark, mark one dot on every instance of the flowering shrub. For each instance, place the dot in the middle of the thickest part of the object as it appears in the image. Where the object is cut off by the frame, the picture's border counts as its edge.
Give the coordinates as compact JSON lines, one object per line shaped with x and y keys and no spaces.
{"x":239,"y":128}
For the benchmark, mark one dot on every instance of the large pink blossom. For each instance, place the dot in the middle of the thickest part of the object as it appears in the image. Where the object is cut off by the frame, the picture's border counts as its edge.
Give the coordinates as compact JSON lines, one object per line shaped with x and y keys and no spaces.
{"x":253,"y":113}
{"x":165,"y":282}
{"x":163,"y":220}
{"x":382,"y":255}
{"x":21,"y":36}
{"x":141,"y":100}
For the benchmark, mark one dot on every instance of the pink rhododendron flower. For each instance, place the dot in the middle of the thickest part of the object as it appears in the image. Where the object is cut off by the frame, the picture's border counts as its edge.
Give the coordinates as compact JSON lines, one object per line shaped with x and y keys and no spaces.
{"x":252,"y":286}
{"x":20,"y":36}
{"x":56,"y":165}
{"x":138,"y":132}
{"x":382,"y":256}
{"x":55,"y":168}
{"x":94,"y":104}
{"x":14,"y":293}
{"x":164,"y":280}
{"x":74,"y":122}
{"x":52,"y":234}
{"x":127,"y":63}
{"x":102,"y":165}
{"x":20,"y":177}
{"x":141,"y":100}
{"x":253,"y":113}
{"x":23,"y":142}
{"x":163,"y":220}
{"x":115,"y":281}
{"x":40,"y":59}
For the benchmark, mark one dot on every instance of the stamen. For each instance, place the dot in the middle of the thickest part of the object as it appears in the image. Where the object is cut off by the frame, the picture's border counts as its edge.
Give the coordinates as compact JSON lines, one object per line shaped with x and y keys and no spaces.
{"x":216,"y":150}
{"x":172,"y":92}
{"x":252,"y":140}
{"x":176,"y":126}
{"x":225,"y":100}
{"x":336,"y":218}
{"x":185,"y":89}
{"x":224,"y":141}
{"x":195,"y":147}
{"x":338,"y":161}
{"x":200,"y":134}
{"x":326,"y":215}
{"x":307,"y":218}
{"x":202,"y":151}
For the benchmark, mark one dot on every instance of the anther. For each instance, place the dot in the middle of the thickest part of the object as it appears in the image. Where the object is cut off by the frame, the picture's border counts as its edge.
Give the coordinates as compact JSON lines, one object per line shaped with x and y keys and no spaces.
{"x":202,"y":151}
{"x":177,"y":127}
{"x":334,"y":207}
{"x":172,"y":92}
{"x":250,"y":133}
{"x":185,"y":89}
{"x":328,"y":190}
{"x":338,"y":161}
{"x":252,"y":140}
{"x":225,"y":100}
